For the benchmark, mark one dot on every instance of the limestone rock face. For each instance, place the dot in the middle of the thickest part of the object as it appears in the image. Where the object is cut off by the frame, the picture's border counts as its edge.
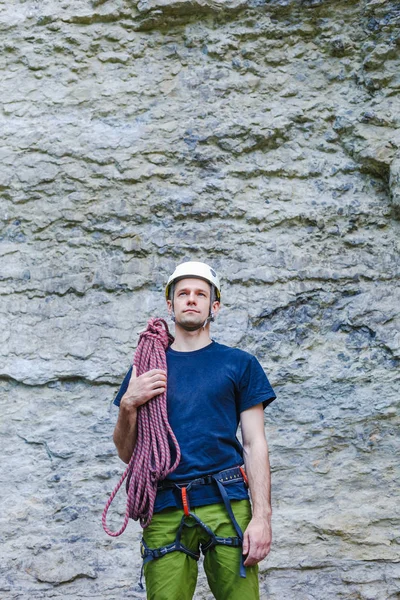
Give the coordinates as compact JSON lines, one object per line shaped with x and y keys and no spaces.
{"x":262,"y":137}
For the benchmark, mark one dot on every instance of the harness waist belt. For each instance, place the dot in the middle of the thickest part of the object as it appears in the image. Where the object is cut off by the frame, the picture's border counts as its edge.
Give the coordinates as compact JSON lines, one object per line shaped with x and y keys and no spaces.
{"x":227,"y":476}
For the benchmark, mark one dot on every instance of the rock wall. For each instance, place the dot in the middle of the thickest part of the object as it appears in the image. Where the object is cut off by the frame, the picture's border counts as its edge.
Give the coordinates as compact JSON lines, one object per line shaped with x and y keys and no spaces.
{"x":263,"y":137}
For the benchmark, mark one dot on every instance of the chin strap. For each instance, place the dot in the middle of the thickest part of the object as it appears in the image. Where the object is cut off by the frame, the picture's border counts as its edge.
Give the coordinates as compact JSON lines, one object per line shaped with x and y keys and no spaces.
{"x":195,"y":327}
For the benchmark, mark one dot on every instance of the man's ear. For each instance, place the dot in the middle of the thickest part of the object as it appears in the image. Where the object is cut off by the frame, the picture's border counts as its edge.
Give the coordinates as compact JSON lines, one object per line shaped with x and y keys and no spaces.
{"x":215,"y":307}
{"x":169,"y":306}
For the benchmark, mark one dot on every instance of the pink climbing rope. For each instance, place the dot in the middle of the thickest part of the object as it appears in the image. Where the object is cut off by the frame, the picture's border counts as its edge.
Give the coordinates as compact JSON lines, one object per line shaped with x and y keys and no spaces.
{"x":151,"y":458}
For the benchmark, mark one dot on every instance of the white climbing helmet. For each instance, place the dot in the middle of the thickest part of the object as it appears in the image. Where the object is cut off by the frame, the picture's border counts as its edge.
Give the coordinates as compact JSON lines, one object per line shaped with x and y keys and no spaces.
{"x":198,"y":270}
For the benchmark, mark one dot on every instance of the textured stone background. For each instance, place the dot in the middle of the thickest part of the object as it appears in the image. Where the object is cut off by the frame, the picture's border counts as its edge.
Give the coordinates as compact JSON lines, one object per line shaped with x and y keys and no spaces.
{"x":264,"y":138}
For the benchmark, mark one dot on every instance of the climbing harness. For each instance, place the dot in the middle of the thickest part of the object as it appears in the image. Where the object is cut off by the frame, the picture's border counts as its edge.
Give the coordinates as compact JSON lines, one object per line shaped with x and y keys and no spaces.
{"x":151,"y":459}
{"x":222,"y":480}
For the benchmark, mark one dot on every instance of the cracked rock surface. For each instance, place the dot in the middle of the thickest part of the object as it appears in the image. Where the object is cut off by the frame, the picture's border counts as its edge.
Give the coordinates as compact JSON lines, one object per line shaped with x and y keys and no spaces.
{"x":262,"y":137}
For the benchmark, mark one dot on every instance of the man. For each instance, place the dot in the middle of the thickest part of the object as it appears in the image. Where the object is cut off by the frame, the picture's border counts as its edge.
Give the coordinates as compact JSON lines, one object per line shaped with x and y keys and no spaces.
{"x":210,"y":389}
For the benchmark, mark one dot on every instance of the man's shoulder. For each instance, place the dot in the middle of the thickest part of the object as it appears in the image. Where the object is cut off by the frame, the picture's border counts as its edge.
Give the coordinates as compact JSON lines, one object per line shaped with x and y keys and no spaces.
{"x":235,"y":353}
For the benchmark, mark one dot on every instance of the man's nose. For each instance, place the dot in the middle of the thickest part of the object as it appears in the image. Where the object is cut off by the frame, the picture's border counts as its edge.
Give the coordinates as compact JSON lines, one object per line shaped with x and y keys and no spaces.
{"x":191,"y":298}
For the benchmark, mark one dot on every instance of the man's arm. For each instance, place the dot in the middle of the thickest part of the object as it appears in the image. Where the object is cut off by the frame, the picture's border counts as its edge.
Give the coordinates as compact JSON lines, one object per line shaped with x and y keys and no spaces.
{"x":140,"y":390}
{"x":258,"y":535}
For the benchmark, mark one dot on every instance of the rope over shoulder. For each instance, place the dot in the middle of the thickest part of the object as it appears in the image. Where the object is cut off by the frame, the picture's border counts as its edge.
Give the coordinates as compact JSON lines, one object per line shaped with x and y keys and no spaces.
{"x":151,"y":459}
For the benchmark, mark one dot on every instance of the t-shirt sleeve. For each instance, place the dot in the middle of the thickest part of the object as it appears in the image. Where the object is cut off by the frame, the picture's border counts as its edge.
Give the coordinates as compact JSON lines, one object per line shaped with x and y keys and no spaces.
{"x":123,"y":388}
{"x":254,"y":387}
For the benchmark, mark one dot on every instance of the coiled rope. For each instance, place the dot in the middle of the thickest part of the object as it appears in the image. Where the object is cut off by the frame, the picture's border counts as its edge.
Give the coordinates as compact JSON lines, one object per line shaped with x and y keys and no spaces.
{"x":151,"y":458}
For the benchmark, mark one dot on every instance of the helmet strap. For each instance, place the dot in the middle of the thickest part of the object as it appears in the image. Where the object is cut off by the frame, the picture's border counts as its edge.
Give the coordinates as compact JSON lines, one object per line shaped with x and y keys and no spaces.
{"x":211,"y":316}
{"x":171,"y":297}
{"x":209,"y":319}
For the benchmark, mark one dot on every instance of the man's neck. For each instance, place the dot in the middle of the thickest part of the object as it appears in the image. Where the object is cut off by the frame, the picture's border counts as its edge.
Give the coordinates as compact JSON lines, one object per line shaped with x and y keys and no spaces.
{"x":188,"y":341}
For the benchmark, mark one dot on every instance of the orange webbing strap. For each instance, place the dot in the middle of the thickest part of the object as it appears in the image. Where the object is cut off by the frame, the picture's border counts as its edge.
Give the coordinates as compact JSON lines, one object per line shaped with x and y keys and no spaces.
{"x":245,"y":479}
{"x":185,"y":501}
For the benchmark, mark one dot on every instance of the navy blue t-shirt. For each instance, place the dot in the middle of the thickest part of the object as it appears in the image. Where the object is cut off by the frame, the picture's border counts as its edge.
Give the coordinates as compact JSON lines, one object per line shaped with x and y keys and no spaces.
{"x":207,"y":389}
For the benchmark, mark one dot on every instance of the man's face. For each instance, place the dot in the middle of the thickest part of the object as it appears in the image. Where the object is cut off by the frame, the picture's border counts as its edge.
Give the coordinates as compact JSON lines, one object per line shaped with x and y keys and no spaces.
{"x":192,"y":301}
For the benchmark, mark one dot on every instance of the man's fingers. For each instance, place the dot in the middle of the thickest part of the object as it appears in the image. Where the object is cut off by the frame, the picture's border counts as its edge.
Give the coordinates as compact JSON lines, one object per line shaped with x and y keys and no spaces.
{"x":246,"y":544}
{"x":250,"y":560}
{"x":149,"y":377}
{"x":256,"y":554}
{"x":159,"y":381}
{"x":149,"y":374}
{"x":155,"y":373}
{"x":254,"y":550}
{"x":158,"y":391}
{"x":147,"y":385}
{"x":158,"y":384}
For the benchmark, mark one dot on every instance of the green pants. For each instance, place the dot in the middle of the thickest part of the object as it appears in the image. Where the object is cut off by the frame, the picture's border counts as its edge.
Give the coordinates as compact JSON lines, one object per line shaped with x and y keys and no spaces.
{"x":174,"y":576}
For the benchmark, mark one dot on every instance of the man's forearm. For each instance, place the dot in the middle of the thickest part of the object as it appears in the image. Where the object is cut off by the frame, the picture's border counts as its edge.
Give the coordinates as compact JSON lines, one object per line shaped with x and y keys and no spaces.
{"x":256,"y":460}
{"x":125,"y":432}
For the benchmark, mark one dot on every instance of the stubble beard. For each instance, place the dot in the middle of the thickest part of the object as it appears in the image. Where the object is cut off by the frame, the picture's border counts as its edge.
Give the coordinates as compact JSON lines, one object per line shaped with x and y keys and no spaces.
{"x":191,"y":319}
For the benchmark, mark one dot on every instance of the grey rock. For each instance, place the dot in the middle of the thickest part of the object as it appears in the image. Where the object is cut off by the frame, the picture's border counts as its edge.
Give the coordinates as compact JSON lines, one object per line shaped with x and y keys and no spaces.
{"x":59,"y":569}
{"x":262,"y":137}
{"x":394,"y":181}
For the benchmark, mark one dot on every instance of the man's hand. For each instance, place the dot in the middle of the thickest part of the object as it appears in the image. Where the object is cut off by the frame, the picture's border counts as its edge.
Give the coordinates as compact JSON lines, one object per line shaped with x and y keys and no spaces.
{"x":257,"y":541}
{"x":141,"y":389}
